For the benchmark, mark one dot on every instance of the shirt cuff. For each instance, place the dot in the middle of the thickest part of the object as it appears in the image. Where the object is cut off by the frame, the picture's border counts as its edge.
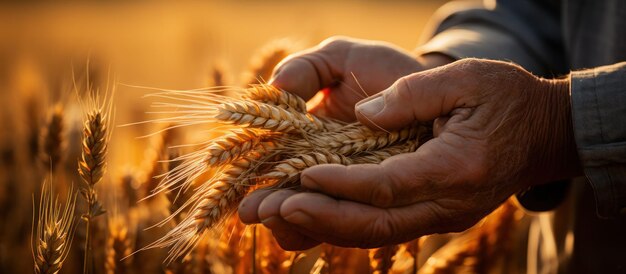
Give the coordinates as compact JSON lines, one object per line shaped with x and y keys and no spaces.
{"x":599,"y":117}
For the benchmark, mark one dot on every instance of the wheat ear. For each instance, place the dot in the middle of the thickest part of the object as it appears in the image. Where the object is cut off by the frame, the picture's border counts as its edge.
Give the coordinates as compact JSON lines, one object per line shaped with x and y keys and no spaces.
{"x":55,"y":231}
{"x":232,"y":146}
{"x":271,"y":95}
{"x":92,"y":166}
{"x":118,"y":246}
{"x":52,"y":142}
{"x":356,"y":138}
{"x":289,"y":170}
{"x":213,"y":203}
{"x":264,"y":116}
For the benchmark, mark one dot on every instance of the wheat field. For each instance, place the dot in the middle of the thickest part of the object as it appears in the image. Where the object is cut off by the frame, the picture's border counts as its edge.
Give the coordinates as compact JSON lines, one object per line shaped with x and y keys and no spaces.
{"x":98,"y":173}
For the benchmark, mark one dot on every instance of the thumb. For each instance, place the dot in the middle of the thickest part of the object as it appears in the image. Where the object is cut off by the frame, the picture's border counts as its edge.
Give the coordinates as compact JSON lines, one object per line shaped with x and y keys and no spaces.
{"x":421,"y":96}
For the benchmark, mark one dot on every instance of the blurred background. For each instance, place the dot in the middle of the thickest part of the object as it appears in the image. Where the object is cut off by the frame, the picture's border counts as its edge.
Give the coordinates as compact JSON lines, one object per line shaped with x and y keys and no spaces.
{"x":52,"y":52}
{"x":174,"y":44}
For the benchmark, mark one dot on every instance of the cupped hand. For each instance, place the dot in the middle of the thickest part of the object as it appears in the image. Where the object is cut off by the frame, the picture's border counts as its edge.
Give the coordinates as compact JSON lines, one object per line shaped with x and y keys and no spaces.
{"x":347,"y":70}
{"x":498,"y":129}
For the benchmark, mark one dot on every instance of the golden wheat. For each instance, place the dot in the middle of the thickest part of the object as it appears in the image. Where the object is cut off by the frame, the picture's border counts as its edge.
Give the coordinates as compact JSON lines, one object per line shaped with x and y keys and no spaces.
{"x":357,"y":138}
{"x":55,"y":231}
{"x":271,"y":139}
{"x":271,"y":95}
{"x":92,"y":166}
{"x":265,"y":116}
{"x":288,"y":170}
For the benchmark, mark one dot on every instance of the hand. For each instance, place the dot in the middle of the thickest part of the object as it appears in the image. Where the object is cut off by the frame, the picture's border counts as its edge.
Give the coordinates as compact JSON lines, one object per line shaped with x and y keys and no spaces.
{"x":335,"y":63}
{"x":498,"y":129}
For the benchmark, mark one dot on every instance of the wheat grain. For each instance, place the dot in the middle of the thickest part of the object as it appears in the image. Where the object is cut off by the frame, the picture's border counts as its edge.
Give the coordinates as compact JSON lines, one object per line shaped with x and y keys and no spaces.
{"x":356,"y":138}
{"x":265,"y":116}
{"x":232,"y":146}
{"x":288,"y":170}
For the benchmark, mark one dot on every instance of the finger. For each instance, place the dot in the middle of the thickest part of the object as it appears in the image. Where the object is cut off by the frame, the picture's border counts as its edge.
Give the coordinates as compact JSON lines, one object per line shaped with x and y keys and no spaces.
{"x":249,"y":206}
{"x":351,"y":224}
{"x":287,"y":236}
{"x":270,"y":206}
{"x":421,"y":96}
{"x":307,"y":73}
{"x":398,"y":181}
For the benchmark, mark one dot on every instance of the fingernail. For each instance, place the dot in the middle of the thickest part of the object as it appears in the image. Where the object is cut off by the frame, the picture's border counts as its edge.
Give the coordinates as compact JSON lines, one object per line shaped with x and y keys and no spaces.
{"x":371,"y":107}
{"x":299,"y":218}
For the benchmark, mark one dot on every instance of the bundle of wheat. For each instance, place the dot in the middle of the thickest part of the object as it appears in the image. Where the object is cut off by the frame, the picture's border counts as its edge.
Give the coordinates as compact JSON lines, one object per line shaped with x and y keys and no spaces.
{"x":269,"y":140}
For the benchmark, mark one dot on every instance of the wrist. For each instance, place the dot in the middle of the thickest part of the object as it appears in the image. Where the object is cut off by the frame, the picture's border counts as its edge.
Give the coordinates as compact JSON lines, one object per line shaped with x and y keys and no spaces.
{"x":559,"y":158}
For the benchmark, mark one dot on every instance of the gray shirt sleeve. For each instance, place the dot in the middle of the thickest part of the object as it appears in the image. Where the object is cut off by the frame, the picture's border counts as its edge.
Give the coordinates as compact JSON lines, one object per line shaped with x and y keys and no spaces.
{"x":599,"y":116}
{"x":525,"y":32}
{"x":529,"y":33}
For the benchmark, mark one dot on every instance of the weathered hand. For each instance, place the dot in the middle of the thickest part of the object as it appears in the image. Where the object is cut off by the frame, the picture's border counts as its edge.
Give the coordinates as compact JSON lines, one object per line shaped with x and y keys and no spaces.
{"x":498,"y":129}
{"x":335,"y":63}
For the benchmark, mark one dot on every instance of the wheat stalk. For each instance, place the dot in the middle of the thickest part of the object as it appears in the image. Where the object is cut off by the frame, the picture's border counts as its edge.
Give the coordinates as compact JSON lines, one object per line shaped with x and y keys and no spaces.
{"x":55,"y":231}
{"x":92,"y":165}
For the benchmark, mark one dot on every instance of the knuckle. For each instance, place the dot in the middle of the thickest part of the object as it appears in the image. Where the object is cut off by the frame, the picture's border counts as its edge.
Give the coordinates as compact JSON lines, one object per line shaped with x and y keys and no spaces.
{"x":403,"y":91}
{"x":333,"y":41}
